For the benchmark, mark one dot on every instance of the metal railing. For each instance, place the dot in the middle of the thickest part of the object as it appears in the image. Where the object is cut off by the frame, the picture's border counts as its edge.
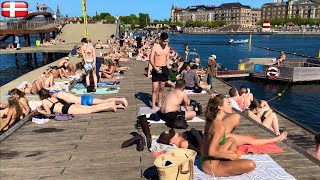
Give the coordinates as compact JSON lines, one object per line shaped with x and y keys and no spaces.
{"x":25,"y":24}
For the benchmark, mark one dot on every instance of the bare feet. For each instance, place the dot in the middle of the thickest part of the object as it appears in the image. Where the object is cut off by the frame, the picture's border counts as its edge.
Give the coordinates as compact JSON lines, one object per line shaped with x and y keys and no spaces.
{"x":153,"y":110}
{"x":121,"y":106}
{"x":282,"y":136}
{"x":125,"y":102}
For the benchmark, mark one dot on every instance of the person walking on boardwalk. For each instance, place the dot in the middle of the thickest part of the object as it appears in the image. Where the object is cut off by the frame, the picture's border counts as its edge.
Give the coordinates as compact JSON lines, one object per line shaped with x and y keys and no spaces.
{"x":159,"y":60}
{"x":89,"y":58}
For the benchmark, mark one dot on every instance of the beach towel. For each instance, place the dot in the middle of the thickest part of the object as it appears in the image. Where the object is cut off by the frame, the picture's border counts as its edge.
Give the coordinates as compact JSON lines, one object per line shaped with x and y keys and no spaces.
{"x":146,"y":111}
{"x":100,"y":84}
{"x":261,"y":149}
{"x":34,"y":104}
{"x":112,"y":79}
{"x":193,"y":93}
{"x":267,"y":169}
{"x":98,"y":91}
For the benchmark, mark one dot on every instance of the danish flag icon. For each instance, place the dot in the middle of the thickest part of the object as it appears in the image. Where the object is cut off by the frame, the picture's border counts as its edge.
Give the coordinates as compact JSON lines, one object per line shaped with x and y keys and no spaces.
{"x":14,"y":9}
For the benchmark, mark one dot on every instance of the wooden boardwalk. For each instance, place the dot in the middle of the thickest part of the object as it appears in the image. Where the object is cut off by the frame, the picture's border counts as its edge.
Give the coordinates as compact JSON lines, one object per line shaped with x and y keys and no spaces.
{"x":88,"y":146}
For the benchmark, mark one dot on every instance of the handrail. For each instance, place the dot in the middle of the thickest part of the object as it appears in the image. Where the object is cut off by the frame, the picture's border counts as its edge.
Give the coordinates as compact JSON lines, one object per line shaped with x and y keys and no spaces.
{"x":25,"y":24}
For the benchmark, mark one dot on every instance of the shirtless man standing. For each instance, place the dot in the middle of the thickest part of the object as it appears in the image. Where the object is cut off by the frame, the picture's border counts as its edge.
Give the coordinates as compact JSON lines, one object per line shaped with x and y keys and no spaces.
{"x":89,"y":57}
{"x":159,"y":60}
{"x":171,"y":106}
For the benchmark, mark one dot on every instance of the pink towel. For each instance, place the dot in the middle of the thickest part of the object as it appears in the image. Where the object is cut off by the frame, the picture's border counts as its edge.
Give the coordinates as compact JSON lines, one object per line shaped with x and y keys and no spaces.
{"x":261,"y":149}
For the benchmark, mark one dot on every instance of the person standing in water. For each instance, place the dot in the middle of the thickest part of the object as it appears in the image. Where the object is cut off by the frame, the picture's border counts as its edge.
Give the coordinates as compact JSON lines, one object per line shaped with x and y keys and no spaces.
{"x":89,"y":58}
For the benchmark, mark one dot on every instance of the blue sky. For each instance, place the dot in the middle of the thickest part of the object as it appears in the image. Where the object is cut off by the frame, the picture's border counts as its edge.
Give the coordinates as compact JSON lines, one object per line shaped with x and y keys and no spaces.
{"x":157,"y":9}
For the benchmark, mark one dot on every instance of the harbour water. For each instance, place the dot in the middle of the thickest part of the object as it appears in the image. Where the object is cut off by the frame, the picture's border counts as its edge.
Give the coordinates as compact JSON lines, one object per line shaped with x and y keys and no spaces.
{"x":14,"y":66}
{"x":300,"y":102}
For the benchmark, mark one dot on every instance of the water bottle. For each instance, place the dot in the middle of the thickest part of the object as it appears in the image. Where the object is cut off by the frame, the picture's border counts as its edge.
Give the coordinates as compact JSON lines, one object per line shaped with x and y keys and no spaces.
{"x":67,"y":87}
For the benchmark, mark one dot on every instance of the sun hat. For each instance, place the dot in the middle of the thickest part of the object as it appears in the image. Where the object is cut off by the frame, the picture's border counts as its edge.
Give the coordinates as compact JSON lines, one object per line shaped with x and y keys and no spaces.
{"x":166,"y":136}
{"x":214,"y":56}
{"x":67,"y":57}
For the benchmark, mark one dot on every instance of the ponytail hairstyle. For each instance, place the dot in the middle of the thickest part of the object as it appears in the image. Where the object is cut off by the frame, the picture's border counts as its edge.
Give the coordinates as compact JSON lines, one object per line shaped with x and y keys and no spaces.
{"x":14,"y":103}
{"x":17,"y":92}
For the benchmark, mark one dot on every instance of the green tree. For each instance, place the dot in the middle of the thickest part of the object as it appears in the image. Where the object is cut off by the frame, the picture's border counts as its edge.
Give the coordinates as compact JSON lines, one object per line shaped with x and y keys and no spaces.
{"x":144,"y":19}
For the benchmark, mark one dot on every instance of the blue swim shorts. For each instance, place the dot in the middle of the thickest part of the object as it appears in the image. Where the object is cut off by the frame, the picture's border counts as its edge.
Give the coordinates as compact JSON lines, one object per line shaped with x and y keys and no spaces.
{"x":87,"y":100}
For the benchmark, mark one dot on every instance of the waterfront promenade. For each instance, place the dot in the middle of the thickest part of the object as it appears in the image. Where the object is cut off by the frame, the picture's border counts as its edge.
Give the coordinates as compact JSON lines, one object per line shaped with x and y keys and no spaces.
{"x":88,"y":146}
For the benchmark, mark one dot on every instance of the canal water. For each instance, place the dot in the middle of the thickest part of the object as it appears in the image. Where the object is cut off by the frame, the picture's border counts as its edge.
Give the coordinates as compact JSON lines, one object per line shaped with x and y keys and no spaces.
{"x":16,"y":65}
{"x":300,"y":102}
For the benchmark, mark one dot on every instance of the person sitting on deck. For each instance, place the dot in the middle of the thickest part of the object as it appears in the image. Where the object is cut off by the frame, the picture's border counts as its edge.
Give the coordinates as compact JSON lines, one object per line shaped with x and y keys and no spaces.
{"x":66,"y":67}
{"x":10,"y":46}
{"x":193,"y":139}
{"x":245,"y":97}
{"x":173,"y":75}
{"x":99,"y":45}
{"x":51,"y":105}
{"x":170,"y":110}
{"x":23,"y":102}
{"x":107,"y":68}
{"x":219,"y":154}
{"x":14,"y":114}
{"x":191,"y":78}
{"x":281,"y":58}
{"x":269,"y":120}
{"x":88,"y":100}
{"x":234,"y":96}
{"x":315,"y":152}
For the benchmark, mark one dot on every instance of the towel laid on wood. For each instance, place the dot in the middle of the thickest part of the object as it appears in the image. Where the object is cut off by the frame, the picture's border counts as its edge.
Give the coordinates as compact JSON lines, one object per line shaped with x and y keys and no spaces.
{"x":267,"y":169}
{"x":146,"y":111}
{"x":98,"y":91}
{"x":193,"y":93}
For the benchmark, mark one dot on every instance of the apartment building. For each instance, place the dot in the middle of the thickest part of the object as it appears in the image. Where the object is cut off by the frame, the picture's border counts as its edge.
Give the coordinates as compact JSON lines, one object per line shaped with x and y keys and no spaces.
{"x":232,"y":13}
{"x":291,"y":9}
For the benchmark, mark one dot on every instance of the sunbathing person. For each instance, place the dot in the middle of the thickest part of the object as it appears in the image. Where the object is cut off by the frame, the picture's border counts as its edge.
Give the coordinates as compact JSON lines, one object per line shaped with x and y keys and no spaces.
{"x":193,"y":139}
{"x":281,"y":58}
{"x":245,"y":97}
{"x":89,"y":58}
{"x":219,"y":154}
{"x":22,"y":100}
{"x":52,"y":105}
{"x":269,"y":120}
{"x":14,"y":114}
{"x":315,"y":152}
{"x":33,"y":88}
{"x":66,"y":67}
{"x":173,"y":75}
{"x":170,"y":110}
{"x":107,"y":69}
{"x":191,"y":78}
{"x":88,"y":100}
{"x":99,"y":45}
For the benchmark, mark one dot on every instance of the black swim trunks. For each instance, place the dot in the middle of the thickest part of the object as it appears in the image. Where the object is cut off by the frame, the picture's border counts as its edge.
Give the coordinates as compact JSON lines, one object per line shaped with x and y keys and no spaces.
{"x":163,"y":77}
{"x":172,"y":116}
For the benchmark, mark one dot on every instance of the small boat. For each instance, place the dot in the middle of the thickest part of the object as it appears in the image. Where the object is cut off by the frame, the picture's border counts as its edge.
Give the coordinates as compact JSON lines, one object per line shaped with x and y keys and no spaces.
{"x":242,"y":41}
{"x":291,"y":69}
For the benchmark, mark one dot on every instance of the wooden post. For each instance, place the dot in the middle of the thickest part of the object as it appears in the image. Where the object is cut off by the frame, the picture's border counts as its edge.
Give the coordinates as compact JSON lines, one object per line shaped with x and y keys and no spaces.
{"x":250,"y":39}
{"x":27,"y":40}
{"x":41,"y":37}
{"x":35,"y":59}
{"x":44,"y":58}
{"x":319,"y":55}
{"x":3,"y":44}
{"x":48,"y":36}
{"x":53,"y":34}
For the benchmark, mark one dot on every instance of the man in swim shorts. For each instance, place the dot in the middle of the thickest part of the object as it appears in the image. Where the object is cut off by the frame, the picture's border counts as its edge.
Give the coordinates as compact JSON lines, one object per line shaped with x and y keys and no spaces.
{"x":160,"y":62}
{"x":170,"y":110}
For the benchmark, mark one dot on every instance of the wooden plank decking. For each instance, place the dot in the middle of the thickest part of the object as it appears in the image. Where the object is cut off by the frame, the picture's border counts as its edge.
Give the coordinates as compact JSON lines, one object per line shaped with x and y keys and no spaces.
{"x":88,"y":146}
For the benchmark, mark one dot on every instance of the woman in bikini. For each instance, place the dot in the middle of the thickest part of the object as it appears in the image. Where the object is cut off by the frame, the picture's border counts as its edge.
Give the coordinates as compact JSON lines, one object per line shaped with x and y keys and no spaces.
{"x":269,"y":120}
{"x":219,"y":154}
{"x":23,"y":102}
{"x":14,"y":114}
{"x":107,"y":68}
{"x":52,"y":105}
{"x":89,"y":58}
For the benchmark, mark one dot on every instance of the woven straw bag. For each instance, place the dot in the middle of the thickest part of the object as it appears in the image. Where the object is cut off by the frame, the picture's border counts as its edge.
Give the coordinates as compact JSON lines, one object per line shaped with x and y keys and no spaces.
{"x":182,"y":164}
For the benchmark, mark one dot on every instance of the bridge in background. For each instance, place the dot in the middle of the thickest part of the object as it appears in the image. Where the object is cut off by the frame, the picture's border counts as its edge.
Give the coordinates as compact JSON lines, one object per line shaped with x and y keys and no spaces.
{"x":30,"y":25}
